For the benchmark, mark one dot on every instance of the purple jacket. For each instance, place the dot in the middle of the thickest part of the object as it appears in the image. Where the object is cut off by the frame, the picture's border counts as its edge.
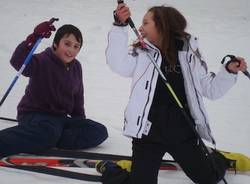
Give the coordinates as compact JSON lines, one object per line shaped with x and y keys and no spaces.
{"x":53,"y":87}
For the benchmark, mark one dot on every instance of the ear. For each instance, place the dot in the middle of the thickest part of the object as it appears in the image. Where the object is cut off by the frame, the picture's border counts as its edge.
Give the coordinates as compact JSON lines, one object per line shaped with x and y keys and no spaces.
{"x":54,"y":46}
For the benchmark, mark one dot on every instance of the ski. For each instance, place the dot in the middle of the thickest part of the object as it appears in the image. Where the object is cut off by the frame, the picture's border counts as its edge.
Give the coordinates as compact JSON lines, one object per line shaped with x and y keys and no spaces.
{"x":239,"y":161}
{"x":45,"y":165}
{"x":89,"y":162}
{"x":47,"y":161}
{"x":83,"y":154}
{"x":58,"y":172}
{"x":33,"y":160}
{"x":165,"y":165}
{"x":242,"y":162}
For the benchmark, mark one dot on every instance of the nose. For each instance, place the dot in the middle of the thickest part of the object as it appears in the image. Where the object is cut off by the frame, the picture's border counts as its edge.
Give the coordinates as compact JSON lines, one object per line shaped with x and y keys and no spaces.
{"x":140,"y":29}
{"x":72,"y":49}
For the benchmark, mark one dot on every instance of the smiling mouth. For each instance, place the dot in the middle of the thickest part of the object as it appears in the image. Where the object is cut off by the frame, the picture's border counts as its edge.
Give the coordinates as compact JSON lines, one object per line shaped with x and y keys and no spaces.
{"x":143,"y":35}
{"x":68,"y":55}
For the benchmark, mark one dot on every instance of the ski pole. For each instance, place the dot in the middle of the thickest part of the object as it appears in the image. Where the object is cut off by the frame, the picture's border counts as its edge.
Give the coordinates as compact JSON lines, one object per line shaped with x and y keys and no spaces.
{"x":25,"y":63}
{"x":247,"y":74}
{"x":132,"y":25}
{"x":181,"y":107}
{"x":144,"y":47}
{"x":8,"y":119}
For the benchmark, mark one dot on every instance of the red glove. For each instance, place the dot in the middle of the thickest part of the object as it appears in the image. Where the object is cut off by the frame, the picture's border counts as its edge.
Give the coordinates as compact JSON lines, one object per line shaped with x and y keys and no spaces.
{"x":43,"y":30}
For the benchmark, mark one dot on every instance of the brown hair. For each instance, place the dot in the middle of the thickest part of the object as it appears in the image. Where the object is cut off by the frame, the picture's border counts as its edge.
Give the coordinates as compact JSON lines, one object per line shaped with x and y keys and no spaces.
{"x":67,"y":29}
{"x":170,"y":24}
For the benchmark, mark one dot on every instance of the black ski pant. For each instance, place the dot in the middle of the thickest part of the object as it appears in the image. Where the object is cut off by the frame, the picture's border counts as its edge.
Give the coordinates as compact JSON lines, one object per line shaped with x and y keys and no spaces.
{"x":37,"y":132}
{"x":147,"y":159}
{"x":172,"y":134}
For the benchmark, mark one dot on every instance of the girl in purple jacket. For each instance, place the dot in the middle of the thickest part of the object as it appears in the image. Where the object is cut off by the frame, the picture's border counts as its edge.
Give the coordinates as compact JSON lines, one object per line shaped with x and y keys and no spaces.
{"x":51,"y":112}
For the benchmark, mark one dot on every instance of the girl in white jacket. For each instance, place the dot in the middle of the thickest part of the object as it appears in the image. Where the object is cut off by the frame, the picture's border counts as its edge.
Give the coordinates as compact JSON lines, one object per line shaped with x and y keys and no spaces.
{"x":152,"y":117}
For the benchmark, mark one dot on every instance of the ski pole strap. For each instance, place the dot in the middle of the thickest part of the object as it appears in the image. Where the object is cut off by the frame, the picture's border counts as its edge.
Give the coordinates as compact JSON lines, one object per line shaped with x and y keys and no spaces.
{"x":231,"y":57}
{"x":53,"y":19}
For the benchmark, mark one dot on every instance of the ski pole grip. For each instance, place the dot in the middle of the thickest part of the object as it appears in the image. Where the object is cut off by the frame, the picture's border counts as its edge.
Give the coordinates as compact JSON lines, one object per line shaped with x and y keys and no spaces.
{"x":129,"y":20}
{"x":52,"y":20}
{"x":120,"y":1}
{"x":232,"y":57}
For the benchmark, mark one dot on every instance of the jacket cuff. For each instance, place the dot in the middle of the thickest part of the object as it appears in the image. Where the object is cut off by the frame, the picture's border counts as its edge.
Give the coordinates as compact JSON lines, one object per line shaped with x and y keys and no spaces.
{"x":228,"y":74}
{"x":117,"y":22}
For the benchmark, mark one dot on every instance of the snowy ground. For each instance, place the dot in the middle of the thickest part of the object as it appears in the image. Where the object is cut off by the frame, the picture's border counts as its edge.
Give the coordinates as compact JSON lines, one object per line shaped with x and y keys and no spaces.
{"x":223,"y":27}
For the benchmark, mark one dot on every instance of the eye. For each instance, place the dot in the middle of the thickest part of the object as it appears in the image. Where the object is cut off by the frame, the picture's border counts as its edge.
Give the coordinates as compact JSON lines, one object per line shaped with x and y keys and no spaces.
{"x":77,"y":46}
{"x":67,"y":44}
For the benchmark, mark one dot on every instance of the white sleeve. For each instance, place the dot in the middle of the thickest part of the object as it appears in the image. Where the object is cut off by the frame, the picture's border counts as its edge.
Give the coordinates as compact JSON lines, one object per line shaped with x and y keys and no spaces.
{"x":214,"y":85}
{"x":117,"y":52}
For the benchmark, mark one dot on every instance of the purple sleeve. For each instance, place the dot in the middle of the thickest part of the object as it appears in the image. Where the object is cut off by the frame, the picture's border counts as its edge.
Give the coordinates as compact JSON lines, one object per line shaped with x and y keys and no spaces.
{"x":79,"y":99}
{"x":18,"y":57}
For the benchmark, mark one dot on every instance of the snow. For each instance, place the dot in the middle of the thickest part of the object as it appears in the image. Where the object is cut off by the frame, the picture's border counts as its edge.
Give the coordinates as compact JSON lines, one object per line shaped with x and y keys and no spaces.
{"x":223,"y":27}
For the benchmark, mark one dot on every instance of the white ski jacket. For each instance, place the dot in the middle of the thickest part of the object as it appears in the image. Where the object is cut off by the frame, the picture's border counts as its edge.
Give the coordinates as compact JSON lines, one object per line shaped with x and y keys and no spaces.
{"x":137,"y":65}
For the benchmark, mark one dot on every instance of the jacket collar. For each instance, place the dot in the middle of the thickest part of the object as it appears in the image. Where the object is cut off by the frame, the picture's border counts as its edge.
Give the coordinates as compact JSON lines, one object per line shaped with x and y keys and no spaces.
{"x":57,"y":60}
{"x":189,"y":41}
{"x":150,"y":46}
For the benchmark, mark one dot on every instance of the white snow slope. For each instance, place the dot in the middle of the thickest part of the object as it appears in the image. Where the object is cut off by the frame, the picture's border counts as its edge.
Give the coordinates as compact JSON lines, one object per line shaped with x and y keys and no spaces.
{"x":223,"y":27}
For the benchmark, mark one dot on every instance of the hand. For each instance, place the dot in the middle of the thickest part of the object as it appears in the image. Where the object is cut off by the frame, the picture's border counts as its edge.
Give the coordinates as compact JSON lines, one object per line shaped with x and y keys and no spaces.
{"x":236,"y":65}
{"x":122,"y":13}
{"x":42,"y":30}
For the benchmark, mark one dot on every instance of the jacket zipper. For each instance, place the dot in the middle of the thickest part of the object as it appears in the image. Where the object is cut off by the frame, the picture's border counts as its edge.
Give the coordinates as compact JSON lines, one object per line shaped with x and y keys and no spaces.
{"x":150,"y":88}
{"x":197,"y":97}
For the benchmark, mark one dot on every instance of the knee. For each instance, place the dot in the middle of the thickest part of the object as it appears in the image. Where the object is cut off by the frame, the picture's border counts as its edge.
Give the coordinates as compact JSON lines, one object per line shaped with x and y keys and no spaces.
{"x":95,"y":132}
{"x":211,"y":177}
{"x":208,"y":180}
{"x":100,"y":130}
{"x":103,"y":132}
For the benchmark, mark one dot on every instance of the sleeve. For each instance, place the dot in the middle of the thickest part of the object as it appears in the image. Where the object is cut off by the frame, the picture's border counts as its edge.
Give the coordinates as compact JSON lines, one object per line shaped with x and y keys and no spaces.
{"x":215,"y":85}
{"x":79,"y":110}
{"x":19,"y":56}
{"x":118,"y":55}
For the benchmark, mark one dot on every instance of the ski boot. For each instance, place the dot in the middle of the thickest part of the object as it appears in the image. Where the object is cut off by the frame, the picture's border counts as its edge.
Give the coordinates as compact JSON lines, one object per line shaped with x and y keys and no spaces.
{"x":102,"y":165}
{"x":238,"y":161}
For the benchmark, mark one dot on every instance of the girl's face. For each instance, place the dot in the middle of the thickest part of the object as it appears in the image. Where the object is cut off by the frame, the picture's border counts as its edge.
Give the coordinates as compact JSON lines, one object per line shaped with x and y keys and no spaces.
{"x":67,"y":49}
{"x":148,"y":29}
